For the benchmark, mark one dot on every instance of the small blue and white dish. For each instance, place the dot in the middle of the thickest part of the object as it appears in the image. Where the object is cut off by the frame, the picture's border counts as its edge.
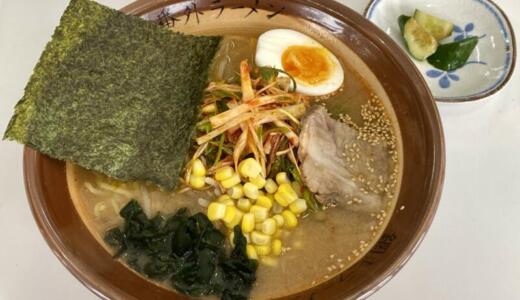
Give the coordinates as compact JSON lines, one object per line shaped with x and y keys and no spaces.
{"x":491,"y":63}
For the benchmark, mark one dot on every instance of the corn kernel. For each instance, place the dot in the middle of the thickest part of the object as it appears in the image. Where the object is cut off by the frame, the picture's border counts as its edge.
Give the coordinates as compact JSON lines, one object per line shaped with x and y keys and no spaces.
{"x":276,"y":247}
{"x":290,"y":220}
{"x":258,"y":227}
{"x":251,"y":252}
{"x":230,"y":214}
{"x":278,"y":234}
{"x":231,"y":181}
{"x":231,"y":223}
{"x":261,"y":193}
{"x":285,"y":194}
{"x":224,"y":173}
{"x":251,"y":190}
{"x":228,"y":202}
{"x":270,"y":186}
{"x":269,"y":261}
{"x":197,"y":168}
{"x":264,"y":201}
{"x":269,"y":226}
{"x":259,"y":181}
{"x":197,"y":181}
{"x":260,"y":212}
{"x":281,"y":200}
{"x":298,"y":206}
{"x":287,"y":189}
{"x":244,"y":204}
{"x":216,"y":211}
{"x":249,"y":168}
{"x":282,"y":177}
{"x":279,"y":220}
{"x":236,"y":192}
{"x":248,"y":222}
{"x":263,"y":250}
{"x":225,"y":199}
{"x":297,"y":187}
{"x":259,"y":238}
{"x":236,"y":220}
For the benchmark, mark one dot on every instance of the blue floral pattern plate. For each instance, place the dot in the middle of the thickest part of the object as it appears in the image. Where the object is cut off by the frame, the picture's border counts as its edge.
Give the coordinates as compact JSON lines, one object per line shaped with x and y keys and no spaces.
{"x":490,"y":65}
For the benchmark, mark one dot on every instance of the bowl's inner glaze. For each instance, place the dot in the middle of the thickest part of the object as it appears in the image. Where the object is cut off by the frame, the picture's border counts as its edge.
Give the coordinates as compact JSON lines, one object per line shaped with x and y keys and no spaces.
{"x":358,"y":43}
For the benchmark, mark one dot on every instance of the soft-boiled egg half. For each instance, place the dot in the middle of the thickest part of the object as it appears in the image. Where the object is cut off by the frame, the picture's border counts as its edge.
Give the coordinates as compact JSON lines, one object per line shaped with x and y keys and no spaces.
{"x":315,"y":69}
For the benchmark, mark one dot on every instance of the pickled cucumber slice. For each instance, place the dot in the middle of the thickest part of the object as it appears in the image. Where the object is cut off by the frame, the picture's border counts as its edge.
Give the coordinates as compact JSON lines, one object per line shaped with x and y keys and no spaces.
{"x":420,"y":42}
{"x":437,"y":27}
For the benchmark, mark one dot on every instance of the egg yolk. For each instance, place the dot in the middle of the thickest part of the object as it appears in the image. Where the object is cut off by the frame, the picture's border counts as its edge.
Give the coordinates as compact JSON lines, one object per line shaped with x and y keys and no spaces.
{"x":307,"y":64}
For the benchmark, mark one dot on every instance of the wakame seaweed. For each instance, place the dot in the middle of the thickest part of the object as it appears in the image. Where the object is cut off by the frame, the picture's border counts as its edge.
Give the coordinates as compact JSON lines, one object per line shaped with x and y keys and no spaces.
{"x":115,"y":94}
{"x":186,"y":251}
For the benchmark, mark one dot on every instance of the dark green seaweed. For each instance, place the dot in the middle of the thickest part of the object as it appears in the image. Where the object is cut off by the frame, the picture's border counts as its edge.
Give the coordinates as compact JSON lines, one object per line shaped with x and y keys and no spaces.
{"x":187,"y":251}
{"x":115,"y":94}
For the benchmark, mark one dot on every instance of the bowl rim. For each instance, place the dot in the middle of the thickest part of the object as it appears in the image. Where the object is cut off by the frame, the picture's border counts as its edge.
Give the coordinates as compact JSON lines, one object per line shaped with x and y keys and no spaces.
{"x":140,"y":7}
{"x":500,"y":84}
{"x":46,"y":226}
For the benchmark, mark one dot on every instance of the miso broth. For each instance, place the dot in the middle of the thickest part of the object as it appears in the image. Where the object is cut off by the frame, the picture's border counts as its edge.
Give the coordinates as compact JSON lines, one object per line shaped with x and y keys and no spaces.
{"x":325,"y":243}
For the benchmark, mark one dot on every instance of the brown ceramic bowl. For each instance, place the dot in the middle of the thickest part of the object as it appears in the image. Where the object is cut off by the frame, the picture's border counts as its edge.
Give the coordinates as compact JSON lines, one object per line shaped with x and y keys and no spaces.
{"x":367,"y":48}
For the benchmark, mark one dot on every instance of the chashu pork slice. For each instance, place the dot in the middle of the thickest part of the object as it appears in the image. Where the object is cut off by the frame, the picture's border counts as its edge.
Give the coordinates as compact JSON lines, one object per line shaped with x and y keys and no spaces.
{"x":324,"y":168}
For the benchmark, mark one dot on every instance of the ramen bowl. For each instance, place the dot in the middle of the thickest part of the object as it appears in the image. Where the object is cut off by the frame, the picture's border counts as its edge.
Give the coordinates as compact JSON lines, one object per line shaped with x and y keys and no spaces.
{"x":369,"y":51}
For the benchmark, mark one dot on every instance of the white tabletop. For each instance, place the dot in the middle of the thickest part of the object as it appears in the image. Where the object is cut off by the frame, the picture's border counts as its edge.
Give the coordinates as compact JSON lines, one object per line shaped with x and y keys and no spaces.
{"x":472,"y":250}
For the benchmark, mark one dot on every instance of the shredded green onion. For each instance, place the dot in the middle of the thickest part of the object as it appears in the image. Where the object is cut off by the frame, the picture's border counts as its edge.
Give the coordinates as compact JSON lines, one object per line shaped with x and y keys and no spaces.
{"x":219,"y":151}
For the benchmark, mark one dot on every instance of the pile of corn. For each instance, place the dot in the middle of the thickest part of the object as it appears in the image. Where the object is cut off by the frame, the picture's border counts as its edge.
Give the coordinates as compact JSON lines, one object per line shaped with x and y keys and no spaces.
{"x":262,"y":207}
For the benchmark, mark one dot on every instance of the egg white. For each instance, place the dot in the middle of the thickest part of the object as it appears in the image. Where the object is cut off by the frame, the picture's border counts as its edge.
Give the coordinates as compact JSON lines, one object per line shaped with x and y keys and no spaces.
{"x":272,"y":44}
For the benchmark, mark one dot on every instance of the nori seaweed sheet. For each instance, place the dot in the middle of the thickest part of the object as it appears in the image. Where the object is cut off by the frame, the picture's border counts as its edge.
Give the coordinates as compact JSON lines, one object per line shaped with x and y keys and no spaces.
{"x":115,"y":94}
